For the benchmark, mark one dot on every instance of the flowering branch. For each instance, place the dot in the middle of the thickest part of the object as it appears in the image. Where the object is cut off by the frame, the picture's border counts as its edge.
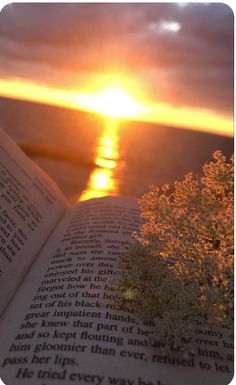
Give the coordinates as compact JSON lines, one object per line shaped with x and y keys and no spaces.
{"x":180,"y":269}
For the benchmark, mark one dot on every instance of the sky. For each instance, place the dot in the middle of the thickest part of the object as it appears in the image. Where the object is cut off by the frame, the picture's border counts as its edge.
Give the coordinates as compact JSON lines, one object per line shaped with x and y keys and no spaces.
{"x":175,"y":60}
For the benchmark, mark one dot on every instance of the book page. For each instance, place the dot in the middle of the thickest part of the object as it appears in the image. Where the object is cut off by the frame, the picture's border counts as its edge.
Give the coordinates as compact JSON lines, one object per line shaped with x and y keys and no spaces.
{"x":30,"y":206}
{"x":64,"y":326}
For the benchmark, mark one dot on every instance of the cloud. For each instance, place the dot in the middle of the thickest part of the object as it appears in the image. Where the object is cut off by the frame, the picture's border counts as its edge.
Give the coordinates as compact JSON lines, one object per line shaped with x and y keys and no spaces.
{"x":181,"y":55}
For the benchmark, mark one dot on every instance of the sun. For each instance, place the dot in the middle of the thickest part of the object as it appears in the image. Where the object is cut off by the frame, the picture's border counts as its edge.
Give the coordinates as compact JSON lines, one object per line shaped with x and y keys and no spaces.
{"x":114,"y":102}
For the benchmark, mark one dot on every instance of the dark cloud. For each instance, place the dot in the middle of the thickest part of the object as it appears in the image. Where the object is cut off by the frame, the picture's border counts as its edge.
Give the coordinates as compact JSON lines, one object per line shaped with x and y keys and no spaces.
{"x":63,"y":44}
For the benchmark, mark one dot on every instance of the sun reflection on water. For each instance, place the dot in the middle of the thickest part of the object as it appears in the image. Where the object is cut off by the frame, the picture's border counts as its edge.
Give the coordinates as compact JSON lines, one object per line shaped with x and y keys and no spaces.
{"x":102,"y":181}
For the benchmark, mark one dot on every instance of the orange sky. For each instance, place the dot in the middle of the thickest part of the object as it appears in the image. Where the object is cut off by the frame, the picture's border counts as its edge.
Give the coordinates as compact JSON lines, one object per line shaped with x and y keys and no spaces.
{"x":163,"y":63}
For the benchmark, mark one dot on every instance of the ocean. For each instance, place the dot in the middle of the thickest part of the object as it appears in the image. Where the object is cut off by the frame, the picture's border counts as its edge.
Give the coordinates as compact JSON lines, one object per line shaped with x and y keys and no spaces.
{"x":88,"y":155}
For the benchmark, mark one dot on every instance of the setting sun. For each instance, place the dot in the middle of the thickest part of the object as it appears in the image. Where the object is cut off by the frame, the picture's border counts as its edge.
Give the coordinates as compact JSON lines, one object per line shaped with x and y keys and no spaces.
{"x":114,"y":102}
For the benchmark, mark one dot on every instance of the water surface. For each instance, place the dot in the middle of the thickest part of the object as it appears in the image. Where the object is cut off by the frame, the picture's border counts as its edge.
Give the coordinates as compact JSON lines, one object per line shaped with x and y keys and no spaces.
{"x":89,"y":156}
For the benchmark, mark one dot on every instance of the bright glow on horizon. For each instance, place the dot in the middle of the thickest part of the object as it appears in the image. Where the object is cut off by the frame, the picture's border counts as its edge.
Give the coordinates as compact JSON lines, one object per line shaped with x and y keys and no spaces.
{"x":113,"y":102}
{"x":187,"y":117}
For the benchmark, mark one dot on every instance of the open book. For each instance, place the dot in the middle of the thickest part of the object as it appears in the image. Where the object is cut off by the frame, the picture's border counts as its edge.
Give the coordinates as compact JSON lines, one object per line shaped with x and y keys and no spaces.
{"x":60,"y":323}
